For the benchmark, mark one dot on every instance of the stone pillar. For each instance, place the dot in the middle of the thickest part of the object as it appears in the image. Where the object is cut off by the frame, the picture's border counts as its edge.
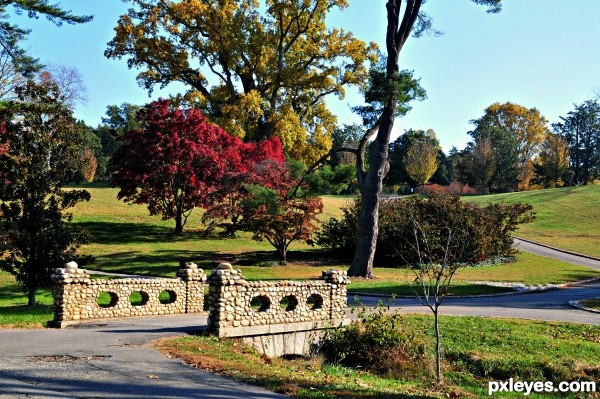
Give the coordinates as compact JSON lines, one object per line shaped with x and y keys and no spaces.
{"x":338,"y":280}
{"x":194,"y":279}
{"x":70,"y":292}
{"x":222,"y":295}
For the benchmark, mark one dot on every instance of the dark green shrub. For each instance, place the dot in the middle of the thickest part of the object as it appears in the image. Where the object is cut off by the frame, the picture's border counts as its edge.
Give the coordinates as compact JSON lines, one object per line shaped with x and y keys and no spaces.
{"x":420,"y":225}
{"x":378,"y":342}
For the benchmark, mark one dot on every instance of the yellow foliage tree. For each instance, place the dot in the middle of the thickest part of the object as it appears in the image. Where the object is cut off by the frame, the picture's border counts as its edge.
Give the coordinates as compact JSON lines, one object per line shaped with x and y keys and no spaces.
{"x":421,"y":161}
{"x":553,"y":161}
{"x":257,"y":69}
{"x":529,"y":129}
{"x":88,"y":165}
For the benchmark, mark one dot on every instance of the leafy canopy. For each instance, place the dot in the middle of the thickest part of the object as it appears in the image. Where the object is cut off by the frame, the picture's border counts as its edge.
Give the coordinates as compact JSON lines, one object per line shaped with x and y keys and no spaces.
{"x":38,"y":152}
{"x":174,"y":161}
{"x":255,"y":68}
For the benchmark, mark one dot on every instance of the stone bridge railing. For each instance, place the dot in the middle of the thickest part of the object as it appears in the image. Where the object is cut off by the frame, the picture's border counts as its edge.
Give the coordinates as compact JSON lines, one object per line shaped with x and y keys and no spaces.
{"x":76,"y":296}
{"x":281,"y":317}
{"x":241,"y":308}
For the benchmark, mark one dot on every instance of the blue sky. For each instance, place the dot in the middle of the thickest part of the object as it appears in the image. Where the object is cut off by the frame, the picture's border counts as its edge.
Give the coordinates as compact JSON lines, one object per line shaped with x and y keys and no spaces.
{"x":537,"y":53}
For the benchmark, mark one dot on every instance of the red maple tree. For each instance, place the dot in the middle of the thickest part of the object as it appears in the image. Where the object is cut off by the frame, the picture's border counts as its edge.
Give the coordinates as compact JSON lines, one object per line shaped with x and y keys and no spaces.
{"x":174,"y":162}
{"x":225,"y":210}
{"x":275,"y":211}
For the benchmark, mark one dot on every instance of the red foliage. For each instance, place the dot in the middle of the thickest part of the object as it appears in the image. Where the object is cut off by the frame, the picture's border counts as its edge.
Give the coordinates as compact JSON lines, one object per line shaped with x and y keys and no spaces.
{"x":225,"y":203}
{"x":454,"y":188}
{"x":174,"y":161}
{"x":272,"y":211}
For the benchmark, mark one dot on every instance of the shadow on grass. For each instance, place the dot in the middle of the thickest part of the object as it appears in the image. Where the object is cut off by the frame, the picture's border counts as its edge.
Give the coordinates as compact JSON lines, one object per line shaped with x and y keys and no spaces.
{"x":158,"y":263}
{"x":130,"y":233}
{"x":316,"y":258}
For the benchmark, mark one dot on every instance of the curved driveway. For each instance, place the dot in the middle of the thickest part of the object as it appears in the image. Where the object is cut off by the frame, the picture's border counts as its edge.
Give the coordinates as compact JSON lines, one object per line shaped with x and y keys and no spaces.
{"x":550,"y":305}
{"x":549,"y":252}
{"x":111,"y":359}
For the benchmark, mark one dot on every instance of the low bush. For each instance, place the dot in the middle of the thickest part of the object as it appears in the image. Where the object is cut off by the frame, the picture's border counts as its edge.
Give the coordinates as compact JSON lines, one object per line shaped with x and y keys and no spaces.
{"x":377,"y":342}
{"x":420,"y":225}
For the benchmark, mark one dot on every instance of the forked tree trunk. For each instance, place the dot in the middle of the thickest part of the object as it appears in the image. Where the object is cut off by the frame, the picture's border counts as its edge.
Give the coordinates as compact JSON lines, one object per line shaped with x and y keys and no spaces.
{"x":371,"y":181}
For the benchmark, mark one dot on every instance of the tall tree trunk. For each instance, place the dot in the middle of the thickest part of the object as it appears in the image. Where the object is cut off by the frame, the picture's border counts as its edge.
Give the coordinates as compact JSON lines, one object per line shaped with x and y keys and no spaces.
{"x":371,"y":181}
{"x":370,"y":189}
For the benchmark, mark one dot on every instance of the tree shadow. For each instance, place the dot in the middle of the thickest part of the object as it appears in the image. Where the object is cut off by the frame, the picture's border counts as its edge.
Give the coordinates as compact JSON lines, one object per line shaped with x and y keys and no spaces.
{"x":129,"y":233}
{"x":158,"y":263}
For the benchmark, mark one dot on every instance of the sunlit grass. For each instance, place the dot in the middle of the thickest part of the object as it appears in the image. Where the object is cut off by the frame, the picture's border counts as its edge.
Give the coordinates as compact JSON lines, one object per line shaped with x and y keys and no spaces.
{"x":567,"y":218}
{"x":475,"y":350}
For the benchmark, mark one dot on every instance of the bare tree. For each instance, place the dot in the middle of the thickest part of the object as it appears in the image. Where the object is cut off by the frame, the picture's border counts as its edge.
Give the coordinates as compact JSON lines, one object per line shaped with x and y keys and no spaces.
{"x":433,"y":276}
{"x":71,"y":87}
{"x":10,"y":77}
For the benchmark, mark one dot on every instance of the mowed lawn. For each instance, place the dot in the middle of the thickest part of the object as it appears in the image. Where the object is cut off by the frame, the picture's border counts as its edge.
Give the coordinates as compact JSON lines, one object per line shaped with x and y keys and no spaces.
{"x":567,"y":218}
{"x":127,"y":240}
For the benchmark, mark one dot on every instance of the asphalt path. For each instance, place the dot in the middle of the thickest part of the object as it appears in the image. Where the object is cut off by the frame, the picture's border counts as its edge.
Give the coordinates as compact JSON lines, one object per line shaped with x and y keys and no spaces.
{"x":109,"y":359}
{"x":549,"y":305}
{"x":115,"y":358}
{"x":554,"y":253}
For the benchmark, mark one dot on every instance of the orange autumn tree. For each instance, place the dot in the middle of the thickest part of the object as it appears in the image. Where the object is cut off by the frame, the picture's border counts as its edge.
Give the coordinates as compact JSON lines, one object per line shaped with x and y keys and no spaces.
{"x":258,"y":69}
{"x":527,"y":127}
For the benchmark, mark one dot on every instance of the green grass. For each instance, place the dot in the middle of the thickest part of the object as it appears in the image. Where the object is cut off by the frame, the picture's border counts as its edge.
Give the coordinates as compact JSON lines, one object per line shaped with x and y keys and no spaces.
{"x":14,"y":312}
{"x":567,"y":218}
{"x":476,"y":351}
{"x":591,"y":303}
{"x":127,"y":240}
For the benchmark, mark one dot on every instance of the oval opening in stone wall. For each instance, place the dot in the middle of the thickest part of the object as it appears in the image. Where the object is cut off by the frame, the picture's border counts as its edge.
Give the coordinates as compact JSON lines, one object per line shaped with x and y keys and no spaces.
{"x":260,"y":303}
{"x":314,"y":301}
{"x":107,"y":299}
{"x":289,"y":303}
{"x":167,"y":297}
{"x":138,"y":298}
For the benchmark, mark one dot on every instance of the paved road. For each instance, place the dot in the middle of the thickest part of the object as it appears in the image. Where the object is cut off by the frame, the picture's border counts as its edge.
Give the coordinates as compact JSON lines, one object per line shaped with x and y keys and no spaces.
{"x":113,"y":359}
{"x":556,"y":254}
{"x":108,"y":360}
{"x":552,"y":305}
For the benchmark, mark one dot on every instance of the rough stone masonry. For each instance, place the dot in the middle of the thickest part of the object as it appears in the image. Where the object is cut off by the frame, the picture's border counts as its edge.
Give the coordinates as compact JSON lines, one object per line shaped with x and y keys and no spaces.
{"x":277,"y":318}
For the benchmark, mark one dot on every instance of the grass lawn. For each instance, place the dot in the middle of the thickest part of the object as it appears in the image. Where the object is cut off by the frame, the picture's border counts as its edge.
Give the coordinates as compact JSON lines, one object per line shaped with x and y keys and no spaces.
{"x":127,"y":240}
{"x":476,"y":351}
{"x":593,"y":303}
{"x":567,"y":218}
{"x":14,"y":312}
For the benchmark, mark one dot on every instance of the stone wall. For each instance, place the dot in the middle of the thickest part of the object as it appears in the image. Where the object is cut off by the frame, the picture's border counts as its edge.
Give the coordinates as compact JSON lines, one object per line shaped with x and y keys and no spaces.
{"x":76,"y":295}
{"x":277,"y":318}
{"x":241,"y":308}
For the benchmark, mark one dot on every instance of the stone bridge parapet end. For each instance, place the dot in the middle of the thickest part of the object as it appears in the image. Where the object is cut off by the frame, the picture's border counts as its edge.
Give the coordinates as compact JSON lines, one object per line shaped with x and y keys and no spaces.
{"x":77,"y":297}
{"x":241,"y":308}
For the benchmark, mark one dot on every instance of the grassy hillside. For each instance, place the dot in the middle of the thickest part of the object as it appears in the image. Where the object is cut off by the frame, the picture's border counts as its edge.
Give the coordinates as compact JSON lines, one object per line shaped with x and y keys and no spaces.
{"x":567,"y":218}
